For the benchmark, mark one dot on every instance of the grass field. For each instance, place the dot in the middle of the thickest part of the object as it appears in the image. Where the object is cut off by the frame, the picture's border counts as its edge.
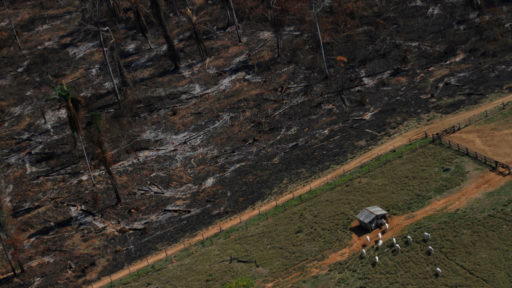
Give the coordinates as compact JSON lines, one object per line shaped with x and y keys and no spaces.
{"x":471,"y":246}
{"x":301,"y":230}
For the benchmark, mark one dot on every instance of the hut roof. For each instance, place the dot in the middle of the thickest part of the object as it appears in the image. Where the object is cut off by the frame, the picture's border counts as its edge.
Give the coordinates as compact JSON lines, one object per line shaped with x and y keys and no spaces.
{"x":367,"y":214}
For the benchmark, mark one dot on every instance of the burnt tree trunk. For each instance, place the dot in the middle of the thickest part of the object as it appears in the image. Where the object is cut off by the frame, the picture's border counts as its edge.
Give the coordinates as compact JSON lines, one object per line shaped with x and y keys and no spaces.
{"x":140,"y":22}
{"x":12,"y":26}
{"x":157,"y":9}
{"x":113,"y":181}
{"x":233,"y":13}
{"x":86,"y":158}
{"x":123,"y":75}
{"x":105,"y":56}
{"x":321,"y":44}
{"x":7,"y":256}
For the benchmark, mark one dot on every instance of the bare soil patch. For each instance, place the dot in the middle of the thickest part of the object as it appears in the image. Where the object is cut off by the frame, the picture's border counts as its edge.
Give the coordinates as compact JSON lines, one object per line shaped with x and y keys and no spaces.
{"x":492,"y":140}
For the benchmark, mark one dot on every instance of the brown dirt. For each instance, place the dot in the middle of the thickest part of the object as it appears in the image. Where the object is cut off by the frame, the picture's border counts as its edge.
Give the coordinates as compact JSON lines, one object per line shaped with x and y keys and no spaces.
{"x":480,"y":184}
{"x":492,"y":140}
{"x":397,"y":141}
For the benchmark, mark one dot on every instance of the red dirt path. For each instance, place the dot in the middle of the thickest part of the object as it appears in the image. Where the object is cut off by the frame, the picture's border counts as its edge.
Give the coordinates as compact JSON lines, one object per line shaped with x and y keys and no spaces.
{"x":436,"y":126}
{"x":480,"y":184}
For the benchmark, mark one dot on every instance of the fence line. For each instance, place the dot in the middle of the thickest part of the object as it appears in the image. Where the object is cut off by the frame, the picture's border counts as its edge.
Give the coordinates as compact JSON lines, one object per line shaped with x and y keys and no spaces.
{"x":497,"y":166}
{"x":264,"y":207}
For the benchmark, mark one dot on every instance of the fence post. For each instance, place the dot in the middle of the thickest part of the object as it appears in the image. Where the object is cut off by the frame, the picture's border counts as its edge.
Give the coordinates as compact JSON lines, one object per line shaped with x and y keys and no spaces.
{"x":426,"y":135}
{"x":467,"y":151}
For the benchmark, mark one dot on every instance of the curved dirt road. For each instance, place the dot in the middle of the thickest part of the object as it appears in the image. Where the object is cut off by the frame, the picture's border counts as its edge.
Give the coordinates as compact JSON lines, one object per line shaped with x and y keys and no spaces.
{"x":436,"y":126}
{"x":482,"y":183}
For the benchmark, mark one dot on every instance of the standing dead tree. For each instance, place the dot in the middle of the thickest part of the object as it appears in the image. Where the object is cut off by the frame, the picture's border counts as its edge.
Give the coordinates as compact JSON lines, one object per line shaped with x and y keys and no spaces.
{"x":140,"y":20}
{"x":318,"y":5}
{"x":107,"y":62}
{"x":123,"y":75}
{"x":115,"y":9}
{"x":158,"y":12}
{"x":4,"y":246}
{"x":96,"y":135}
{"x":194,"y":22}
{"x":12,"y":26}
{"x":72,"y":105}
{"x":277,"y":22}
{"x":6,"y":233}
{"x":235,"y":20}
{"x":230,"y":9}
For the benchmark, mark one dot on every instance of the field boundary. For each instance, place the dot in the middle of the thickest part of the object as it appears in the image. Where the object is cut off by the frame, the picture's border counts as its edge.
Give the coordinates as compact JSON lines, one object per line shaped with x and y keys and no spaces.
{"x":407,"y":138}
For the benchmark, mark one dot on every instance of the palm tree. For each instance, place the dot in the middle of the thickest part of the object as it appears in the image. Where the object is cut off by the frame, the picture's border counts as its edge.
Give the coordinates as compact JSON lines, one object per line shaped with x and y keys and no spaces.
{"x":72,"y":104}
{"x":96,"y":133}
{"x":194,"y":20}
{"x":158,"y":13}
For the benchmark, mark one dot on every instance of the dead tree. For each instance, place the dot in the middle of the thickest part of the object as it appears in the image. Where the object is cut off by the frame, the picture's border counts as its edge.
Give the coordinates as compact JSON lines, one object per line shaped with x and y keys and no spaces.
{"x":96,"y":133}
{"x":12,"y":26}
{"x":174,"y":6}
{"x":158,"y":13}
{"x":317,"y":7}
{"x":105,"y":56}
{"x":194,"y":22}
{"x":4,"y":231}
{"x":233,"y":13}
{"x":140,"y":21}
{"x":277,"y":23}
{"x":72,"y":105}
{"x":7,"y":255}
{"x":115,"y":10}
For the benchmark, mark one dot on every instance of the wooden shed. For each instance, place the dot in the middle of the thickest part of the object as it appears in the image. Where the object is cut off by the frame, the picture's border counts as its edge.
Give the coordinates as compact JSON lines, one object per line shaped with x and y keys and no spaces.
{"x":372,"y":217}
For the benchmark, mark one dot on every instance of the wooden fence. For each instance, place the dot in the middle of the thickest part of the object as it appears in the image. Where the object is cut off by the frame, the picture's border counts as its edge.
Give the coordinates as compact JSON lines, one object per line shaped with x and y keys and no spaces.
{"x":497,"y":166}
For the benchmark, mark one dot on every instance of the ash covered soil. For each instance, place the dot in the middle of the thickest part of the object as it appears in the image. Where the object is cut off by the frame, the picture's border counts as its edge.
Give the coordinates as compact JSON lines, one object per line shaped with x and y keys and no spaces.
{"x":212,"y":139}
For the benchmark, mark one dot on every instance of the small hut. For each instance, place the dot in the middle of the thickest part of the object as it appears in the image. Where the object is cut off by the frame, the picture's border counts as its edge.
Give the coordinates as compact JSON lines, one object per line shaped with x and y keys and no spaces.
{"x":372,"y":217}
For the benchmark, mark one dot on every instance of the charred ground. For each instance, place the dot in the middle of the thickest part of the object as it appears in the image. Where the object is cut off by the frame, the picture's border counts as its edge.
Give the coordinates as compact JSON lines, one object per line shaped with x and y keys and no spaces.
{"x":217,"y":136}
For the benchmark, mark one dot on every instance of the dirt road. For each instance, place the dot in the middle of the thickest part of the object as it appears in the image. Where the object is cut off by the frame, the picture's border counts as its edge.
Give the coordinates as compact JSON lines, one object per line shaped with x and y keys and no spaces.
{"x":482,"y":183}
{"x":436,"y":126}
